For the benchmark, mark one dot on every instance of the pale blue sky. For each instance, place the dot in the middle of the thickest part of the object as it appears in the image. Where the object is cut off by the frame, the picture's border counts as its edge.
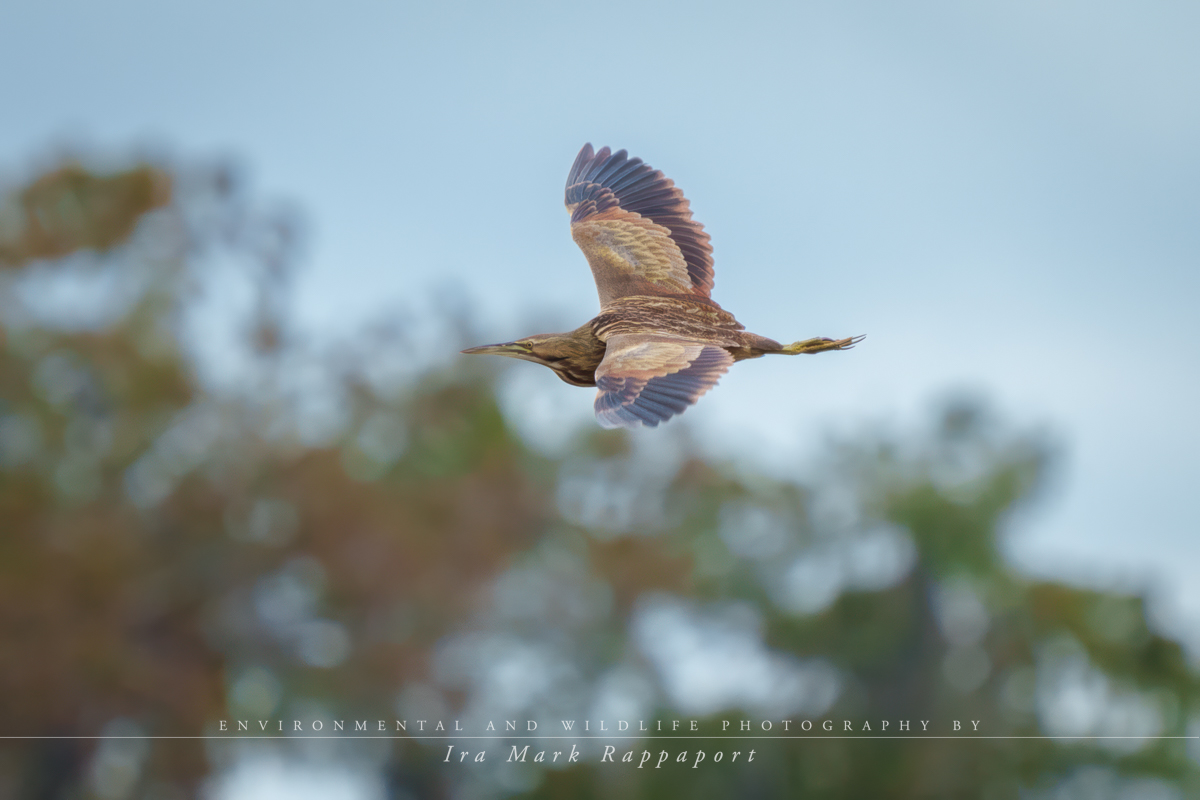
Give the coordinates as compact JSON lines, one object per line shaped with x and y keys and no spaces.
{"x":1005,"y":196}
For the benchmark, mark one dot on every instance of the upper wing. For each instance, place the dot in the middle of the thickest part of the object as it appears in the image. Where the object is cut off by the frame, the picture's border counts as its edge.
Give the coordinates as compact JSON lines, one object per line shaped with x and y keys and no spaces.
{"x":645,"y":379}
{"x":636,"y":228}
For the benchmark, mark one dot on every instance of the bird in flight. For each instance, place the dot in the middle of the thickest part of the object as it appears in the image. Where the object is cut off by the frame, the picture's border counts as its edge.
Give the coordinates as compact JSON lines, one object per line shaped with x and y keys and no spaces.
{"x":660,"y":341}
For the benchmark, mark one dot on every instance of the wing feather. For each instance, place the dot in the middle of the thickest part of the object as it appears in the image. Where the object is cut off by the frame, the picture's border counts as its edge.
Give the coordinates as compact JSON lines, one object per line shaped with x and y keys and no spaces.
{"x":636,"y":228}
{"x":645,"y":379}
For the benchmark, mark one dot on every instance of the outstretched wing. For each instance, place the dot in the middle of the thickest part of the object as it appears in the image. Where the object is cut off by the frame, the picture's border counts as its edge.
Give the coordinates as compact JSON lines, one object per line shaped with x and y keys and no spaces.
{"x":636,"y":228}
{"x":645,"y":379}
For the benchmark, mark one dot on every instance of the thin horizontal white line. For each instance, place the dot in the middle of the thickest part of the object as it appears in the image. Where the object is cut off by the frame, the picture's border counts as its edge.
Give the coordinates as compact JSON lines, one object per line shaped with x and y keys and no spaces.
{"x":598,"y":738}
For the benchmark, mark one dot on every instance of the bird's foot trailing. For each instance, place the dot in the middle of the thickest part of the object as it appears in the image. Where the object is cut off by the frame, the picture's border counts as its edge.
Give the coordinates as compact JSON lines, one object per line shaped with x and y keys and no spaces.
{"x":821,"y":344}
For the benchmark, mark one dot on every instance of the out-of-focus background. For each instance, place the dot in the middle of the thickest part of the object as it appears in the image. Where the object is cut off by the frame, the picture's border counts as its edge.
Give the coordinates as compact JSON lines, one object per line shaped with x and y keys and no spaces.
{"x":245,"y":475}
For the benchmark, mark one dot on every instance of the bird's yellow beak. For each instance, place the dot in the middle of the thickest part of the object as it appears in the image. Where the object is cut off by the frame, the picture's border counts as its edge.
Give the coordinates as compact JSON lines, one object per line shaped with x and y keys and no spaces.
{"x":513,"y":349}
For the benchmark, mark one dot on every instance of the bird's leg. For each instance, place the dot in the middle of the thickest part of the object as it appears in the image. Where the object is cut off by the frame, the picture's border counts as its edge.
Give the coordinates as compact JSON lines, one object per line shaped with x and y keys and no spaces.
{"x":821,"y":344}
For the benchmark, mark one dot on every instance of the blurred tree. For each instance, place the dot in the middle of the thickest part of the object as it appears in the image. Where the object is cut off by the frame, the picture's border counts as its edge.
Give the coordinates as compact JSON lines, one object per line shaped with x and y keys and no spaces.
{"x":350,"y":547}
{"x":70,"y":208}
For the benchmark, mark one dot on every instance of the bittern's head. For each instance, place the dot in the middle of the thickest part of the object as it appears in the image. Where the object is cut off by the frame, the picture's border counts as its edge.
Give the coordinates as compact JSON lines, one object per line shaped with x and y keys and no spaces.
{"x":561,"y":352}
{"x":540,"y":349}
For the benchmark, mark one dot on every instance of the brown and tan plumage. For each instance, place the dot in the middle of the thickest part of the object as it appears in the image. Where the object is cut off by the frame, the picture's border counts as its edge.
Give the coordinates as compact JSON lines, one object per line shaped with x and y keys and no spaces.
{"x":660,"y":341}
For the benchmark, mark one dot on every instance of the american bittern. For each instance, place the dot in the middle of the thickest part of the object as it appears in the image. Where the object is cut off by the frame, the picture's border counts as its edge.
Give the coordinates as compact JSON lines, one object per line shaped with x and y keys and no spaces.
{"x":660,"y":342}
